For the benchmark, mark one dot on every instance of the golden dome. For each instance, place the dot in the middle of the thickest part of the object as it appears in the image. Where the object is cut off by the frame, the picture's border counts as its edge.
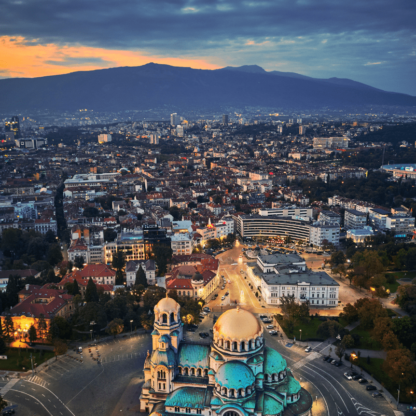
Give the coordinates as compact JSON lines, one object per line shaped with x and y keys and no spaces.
{"x":238,"y":324}
{"x":167,"y":305}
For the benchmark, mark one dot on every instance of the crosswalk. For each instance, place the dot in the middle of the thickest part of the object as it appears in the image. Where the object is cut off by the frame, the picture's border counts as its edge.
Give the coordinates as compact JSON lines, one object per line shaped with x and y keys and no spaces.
{"x":311,"y":356}
{"x":122,"y":357}
{"x":37,"y":380}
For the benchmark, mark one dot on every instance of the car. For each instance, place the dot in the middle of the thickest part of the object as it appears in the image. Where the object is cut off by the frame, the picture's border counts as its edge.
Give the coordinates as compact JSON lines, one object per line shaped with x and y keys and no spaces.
{"x":223,"y":298}
{"x":191,"y":329}
{"x":263,"y":316}
{"x":348,"y":376}
{"x":223,"y":288}
{"x":226,"y":293}
{"x":338,"y":364}
{"x":269,"y":327}
{"x":362,"y":381}
{"x":206,"y":309}
{"x":326,"y":358}
{"x":308,"y":349}
{"x":273,"y":332}
{"x":333,"y":362}
{"x":356,"y":377}
{"x":377,"y":394}
{"x":370,"y":387}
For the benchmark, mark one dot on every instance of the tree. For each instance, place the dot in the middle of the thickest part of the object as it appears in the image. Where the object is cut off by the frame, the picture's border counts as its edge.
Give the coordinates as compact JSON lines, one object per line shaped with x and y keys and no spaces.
{"x":348,"y":341}
{"x":152,"y":296}
{"x":337,"y":259}
{"x":368,"y":311}
{"x":292,"y":311}
{"x":340,"y":350}
{"x":42,"y":327}
{"x":12,"y":290}
{"x":141,"y":277}
{"x":59,"y":328}
{"x":91,"y":294}
{"x":350,"y":313}
{"x":115,"y":327}
{"x":400,"y":367}
{"x":162,"y":254}
{"x":3,"y":403}
{"x":405,"y":330}
{"x":192,"y":205}
{"x":70,"y":266}
{"x":381,"y":327}
{"x":54,"y":255}
{"x":109,"y":235}
{"x":90,"y":212}
{"x":3,"y":346}
{"x":33,"y":336}
{"x":146,"y":321}
{"x":390,"y":341}
{"x":79,"y":262}
{"x":75,"y":288}
{"x":60,"y":348}
{"x":119,"y":262}
{"x":328,"y":329}
{"x":137,"y":291}
{"x":51,"y":277}
{"x":8,"y":328}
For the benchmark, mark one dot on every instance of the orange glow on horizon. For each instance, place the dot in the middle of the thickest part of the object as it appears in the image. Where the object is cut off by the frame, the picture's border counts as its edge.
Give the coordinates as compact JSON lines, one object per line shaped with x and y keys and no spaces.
{"x":25,"y":59}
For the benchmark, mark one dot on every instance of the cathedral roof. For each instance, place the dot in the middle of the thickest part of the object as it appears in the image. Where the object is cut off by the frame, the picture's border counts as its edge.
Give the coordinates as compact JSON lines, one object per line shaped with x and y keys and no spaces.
{"x":274,"y":363}
{"x":166,"y":358}
{"x":191,"y":355}
{"x":235,"y":375}
{"x":271,"y":406}
{"x":292,"y":386}
{"x":192,"y":397}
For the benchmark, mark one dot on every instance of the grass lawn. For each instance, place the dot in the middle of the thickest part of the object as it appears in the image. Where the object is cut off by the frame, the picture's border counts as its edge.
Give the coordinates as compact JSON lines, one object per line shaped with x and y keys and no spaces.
{"x":401,"y":275}
{"x":16,"y":359}
{"x":366,"y":341}
{"x":308,"y":330}
{"x":391,"y":313}
{"x":392,"y":286}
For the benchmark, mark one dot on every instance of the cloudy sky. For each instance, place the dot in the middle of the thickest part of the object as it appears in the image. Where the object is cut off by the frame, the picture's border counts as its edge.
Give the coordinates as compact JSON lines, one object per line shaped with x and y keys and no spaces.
{"x":371,"y":41}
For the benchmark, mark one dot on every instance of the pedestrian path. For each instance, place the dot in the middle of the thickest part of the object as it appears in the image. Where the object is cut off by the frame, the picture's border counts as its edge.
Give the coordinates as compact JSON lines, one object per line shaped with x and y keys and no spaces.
{"x":9,"y":386}
{"x":311,"y":356}
{"x":37,"y":380}
{"x":122,"y":357}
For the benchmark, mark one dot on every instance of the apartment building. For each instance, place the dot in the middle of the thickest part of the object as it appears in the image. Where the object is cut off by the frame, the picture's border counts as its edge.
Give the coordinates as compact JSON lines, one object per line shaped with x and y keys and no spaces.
{"x":322,"y":233}
{"x":354,"y":220}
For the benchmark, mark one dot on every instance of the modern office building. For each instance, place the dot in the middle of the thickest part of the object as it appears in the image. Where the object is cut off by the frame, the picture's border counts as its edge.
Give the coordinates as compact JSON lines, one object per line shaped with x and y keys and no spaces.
{"x":13,"y":126}
{"x":287,"y":211}
{"x":104,"y":138}
{"x":259,"y":226}
{"x":174,"y":119}
{"x":329,"y":216}
{"x":225,"y":119}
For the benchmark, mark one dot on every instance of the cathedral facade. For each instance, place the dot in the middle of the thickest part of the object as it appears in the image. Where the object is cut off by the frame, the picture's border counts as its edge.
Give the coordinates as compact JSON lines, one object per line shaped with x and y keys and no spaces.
{"x":235,"y":375}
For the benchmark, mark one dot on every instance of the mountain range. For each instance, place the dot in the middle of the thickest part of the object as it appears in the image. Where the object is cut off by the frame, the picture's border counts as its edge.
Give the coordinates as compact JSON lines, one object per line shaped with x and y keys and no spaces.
{"x":163,"y":86}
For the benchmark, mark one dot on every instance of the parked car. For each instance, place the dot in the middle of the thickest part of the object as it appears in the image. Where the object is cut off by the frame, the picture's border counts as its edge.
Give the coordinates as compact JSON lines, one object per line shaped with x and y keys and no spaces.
{"x":377,"y":394}
{"x":273,"y":332}
{"x":356,"y":377}
{"x":326,"y":358}
{"x":348,"y":376}
{"x":269,"y":327}
{"x":362,"y":381}
{"x":333,"y":362}
{"x":370,"y":387}
{"x":223,"y":298}
{"x":308,"y":349}
{"x":338,"y":364}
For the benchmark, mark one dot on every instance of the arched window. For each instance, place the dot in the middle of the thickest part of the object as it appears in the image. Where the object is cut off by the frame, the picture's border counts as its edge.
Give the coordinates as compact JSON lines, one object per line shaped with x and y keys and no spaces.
{"x":227,"y":345}
{"x":232,"y":393}
{"x":172,"y":318}
{"x":164,"y":318}
{"x":231,"y":414}
{"x":235,"y":346}
{"x":186,"y":372}
{"x":198,"y":372}
{"x":180,"y":370}
{"x":224,"y":391}
{"x":192,"y":371}
{"x":240,"y":393}
{"x":205,"y":373}
{"x":243,"y":346}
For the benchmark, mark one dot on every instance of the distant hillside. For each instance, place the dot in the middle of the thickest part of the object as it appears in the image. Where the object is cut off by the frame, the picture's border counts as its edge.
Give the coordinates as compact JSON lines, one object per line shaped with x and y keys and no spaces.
{"x":156,"y":86}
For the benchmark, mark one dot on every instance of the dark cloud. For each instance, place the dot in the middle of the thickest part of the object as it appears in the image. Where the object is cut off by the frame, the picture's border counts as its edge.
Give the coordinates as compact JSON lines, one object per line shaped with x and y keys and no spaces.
{"x":71,"y":61}
{"x":315,"y":37}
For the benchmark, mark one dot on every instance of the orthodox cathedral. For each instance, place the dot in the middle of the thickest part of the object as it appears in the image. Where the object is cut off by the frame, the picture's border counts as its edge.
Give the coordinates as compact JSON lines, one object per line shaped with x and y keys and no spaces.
{"x":235,"y":375}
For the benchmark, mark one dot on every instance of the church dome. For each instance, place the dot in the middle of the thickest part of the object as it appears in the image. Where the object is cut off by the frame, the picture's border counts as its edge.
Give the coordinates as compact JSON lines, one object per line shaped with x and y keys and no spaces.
{"x":167,"y":305}
{"x":197,"y":277}
{"x":235,"y":375}
{"x":238,"y":324}
{"x":274,"y":363}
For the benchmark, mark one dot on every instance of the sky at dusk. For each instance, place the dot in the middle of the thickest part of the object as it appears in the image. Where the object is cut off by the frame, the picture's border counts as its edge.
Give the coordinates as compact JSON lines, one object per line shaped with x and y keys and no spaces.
{"x":371,"y":41}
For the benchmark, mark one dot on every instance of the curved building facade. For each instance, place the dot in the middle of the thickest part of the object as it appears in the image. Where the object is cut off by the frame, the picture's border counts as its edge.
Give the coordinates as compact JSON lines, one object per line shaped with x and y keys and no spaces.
{"x":235,"y":375}
{"x":272,"y":226}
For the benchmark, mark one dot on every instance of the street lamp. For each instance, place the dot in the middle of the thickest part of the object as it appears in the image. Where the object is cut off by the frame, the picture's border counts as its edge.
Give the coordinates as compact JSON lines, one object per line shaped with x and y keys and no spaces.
{"x":300,"y":339}
{"x":91,"y":334}
{"x":131,"y":322}
{"x":92,"y":323}
{"x":353,"y":356}
{"x":398,"y":393}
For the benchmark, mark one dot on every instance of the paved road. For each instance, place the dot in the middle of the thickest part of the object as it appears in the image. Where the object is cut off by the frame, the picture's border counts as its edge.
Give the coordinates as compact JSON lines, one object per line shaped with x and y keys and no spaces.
{"x":71,"y":388}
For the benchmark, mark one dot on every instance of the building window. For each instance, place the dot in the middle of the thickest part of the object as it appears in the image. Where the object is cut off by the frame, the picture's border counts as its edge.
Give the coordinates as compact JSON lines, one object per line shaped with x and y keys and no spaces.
{"x":177,"y":409}
{"x":188,"y":410}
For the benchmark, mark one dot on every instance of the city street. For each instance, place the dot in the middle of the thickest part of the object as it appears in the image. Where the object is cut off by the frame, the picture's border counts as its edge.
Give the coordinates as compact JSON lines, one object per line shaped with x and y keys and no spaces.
{"x":69,"y":387}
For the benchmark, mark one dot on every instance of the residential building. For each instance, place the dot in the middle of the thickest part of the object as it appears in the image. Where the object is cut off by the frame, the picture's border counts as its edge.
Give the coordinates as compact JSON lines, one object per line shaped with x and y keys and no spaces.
{"x":148,"y":266}
{"x":104,"y":138}
{"x":330,"y":142}
{"x":329,"y":216}
{"x":181,"y":243}
{"x":354,"y":220}
{"x":323,"y":233}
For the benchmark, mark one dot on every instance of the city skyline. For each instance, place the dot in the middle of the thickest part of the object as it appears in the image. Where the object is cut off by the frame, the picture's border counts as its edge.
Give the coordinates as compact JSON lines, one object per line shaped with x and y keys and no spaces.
{"x":369,"y":43}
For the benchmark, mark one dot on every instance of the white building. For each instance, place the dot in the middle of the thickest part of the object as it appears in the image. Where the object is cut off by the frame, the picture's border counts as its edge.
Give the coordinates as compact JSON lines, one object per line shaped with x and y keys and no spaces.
{"x":174,"y":119}
{"x":324,"y":232}
{"x":354,"y":220}
{"x":330,"y":142}
{"x":275,"y":276}
{"x":181,"y":243}
{"x":44,"y":225}
{"x":288,"y":211}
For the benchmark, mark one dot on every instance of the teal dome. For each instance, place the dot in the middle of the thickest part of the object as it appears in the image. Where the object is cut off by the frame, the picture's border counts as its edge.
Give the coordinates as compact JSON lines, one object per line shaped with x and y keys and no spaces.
{"x":166,"y":358}
{"x":271,"y":406}
{"x":234,"y":375}
{"x":274,"y":363}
